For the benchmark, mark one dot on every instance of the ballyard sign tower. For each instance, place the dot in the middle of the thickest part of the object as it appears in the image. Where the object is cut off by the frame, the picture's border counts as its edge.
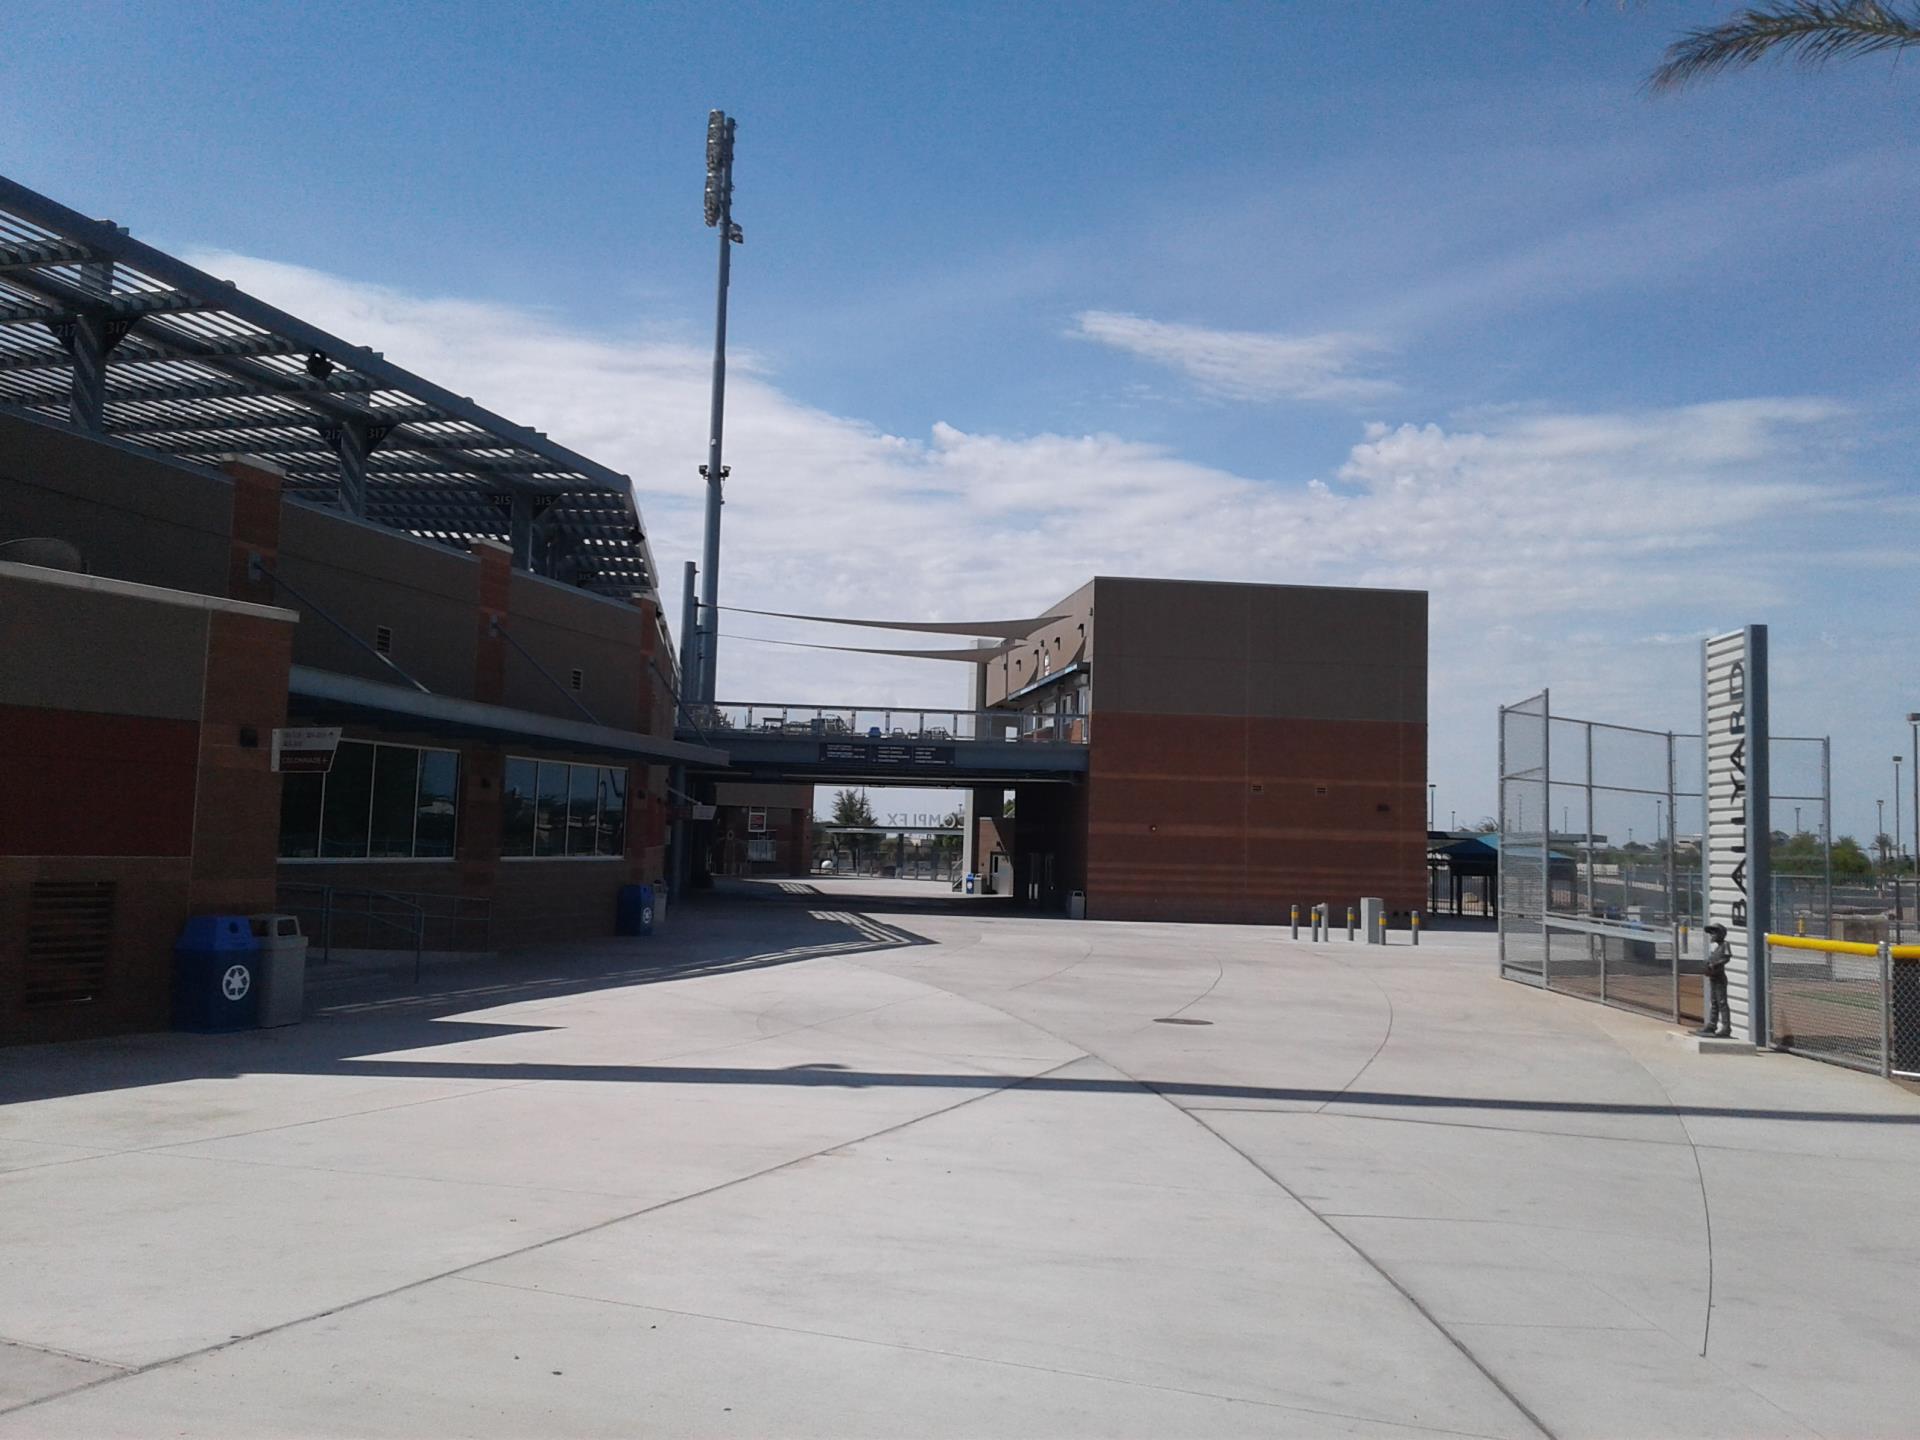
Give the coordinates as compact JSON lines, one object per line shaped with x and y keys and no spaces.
{"x":1737,"y":835}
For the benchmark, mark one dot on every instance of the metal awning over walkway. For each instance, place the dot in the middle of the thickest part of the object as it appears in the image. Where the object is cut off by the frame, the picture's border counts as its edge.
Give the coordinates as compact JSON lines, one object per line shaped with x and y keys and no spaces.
{"x":114,"y":337}
{"x":327,"y":695}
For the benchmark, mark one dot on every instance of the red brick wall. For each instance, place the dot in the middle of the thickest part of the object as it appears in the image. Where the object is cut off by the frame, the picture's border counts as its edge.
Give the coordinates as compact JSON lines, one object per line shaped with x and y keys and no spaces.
{"x":1221,"y":818}
{"x":84,"y":784}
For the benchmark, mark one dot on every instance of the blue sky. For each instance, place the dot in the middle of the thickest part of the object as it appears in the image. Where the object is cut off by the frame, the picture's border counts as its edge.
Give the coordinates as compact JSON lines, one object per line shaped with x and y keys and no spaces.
{"x":1425,"y":294}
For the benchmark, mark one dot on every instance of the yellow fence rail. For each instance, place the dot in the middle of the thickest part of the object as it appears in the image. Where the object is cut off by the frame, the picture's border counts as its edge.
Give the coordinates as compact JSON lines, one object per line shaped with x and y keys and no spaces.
{"x":1845,"y":1001}
{"x":1842,"y":947}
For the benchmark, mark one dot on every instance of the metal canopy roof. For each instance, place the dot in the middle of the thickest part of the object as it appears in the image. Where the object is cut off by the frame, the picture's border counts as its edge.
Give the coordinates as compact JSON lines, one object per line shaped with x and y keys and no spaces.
{"x":112,"y":336}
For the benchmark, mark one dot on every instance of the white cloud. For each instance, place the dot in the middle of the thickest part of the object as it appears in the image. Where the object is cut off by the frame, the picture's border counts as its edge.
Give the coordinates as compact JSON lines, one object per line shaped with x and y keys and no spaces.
{"x":1539,"y":536}
{"x":1245,"y":364}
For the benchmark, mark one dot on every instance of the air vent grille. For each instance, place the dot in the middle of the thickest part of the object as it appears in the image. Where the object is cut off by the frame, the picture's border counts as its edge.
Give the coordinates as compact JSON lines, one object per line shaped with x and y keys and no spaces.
{"x":69,"y":938}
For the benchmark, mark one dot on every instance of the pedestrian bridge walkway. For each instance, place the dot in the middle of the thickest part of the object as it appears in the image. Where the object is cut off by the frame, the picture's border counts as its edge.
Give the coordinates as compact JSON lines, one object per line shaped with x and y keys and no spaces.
{"x":847,"y":742}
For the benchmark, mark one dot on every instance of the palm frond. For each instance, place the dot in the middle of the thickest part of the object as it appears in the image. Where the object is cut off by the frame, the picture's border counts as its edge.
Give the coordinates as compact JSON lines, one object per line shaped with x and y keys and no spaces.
{"x":1812,"y":31}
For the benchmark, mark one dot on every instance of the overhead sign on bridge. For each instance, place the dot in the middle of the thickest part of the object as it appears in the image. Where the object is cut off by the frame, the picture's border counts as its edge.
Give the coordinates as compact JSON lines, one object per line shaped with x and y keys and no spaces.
{"x":887,"y":755}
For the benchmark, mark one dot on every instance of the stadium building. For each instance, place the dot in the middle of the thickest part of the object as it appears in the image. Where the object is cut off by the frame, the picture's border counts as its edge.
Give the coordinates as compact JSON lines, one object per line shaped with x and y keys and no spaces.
{"x":226,"y":534}
{"x":218,"y":522}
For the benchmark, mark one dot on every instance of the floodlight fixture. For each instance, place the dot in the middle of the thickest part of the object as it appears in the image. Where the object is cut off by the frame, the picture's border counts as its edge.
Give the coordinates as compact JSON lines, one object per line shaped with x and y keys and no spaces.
{"x":719,"y":166}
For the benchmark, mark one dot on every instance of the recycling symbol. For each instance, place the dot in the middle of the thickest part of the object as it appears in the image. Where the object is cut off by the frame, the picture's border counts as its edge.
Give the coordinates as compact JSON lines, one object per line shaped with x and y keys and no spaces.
{"x":236,"y":982}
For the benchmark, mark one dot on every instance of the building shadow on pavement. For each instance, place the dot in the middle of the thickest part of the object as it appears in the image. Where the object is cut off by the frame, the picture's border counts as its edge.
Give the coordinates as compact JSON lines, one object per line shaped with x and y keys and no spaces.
{"x":372,"y":1010}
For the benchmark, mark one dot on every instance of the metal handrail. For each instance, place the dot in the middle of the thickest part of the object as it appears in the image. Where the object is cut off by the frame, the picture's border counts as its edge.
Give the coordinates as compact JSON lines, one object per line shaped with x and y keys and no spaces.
{"x":417,"y":910}
{"x":884,"y":723}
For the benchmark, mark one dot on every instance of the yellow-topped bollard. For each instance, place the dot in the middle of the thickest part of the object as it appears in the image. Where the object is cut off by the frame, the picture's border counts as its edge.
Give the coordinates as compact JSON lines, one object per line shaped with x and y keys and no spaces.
{"x":1383,"y":927}
{"x":1416,"y":927}
{"x":1296,"y":922}
{"x":1349,"y":924}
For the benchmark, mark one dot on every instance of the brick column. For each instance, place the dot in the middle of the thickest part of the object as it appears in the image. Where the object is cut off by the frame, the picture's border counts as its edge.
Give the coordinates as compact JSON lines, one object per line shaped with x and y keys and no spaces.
{"x":255,"y":525}
{"x":236,"y":818}
{"x":493,"y":596}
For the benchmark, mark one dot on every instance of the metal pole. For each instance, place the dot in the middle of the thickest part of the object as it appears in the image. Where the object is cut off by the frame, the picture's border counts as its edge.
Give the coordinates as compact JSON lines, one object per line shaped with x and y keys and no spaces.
{"x":1673,"y":877}
{"x":1899,"y":917}
{"x":1915,"y":722}
{"x":719,"y":214}
{"x":1886,"y":1010}
{"x":1589,"y":729}
{"x":1296,"y":922}
{"x":1500,"y":862}
{"x":1546,"y":835}
{"x":1826,"y":824}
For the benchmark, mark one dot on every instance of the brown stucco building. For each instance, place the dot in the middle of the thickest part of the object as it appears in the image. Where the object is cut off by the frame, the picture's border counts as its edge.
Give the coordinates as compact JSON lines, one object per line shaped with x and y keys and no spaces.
{"x":1250,"y":747}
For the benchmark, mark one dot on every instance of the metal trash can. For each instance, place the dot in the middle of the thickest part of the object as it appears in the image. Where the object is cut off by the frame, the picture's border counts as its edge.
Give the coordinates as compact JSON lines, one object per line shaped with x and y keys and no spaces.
{"x":215,"y":965}
{"x":1076,"y":905}
{"x":633,"y":913}
{"x":282,"y":976}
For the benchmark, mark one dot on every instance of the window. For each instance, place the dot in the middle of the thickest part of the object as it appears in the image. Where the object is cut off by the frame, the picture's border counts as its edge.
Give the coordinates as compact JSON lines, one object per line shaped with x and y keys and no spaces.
{"x":516,"y":807}
{"x":583,"y":809}
{"x":378,"y":802}
{"x":612,"y":839}
{"x":550,"y":810}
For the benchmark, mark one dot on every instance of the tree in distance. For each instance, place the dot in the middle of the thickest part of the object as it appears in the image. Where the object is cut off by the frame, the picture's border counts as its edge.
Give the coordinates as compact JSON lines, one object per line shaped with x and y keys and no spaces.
{"x":1810,"y":31}
{"x":850,"y":807}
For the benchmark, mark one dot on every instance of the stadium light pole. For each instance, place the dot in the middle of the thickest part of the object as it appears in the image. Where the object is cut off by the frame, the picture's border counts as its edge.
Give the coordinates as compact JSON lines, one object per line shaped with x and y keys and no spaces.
{"x":1899,"y":919}
{"x":719,"y":211}
{"x":1913,"y":719}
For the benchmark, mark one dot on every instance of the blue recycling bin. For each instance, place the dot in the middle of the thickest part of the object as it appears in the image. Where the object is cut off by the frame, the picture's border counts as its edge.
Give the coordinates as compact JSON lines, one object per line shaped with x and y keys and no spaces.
{"x":216,"y":978}
{"x":969,"y":882}
{"x":633,"y":915}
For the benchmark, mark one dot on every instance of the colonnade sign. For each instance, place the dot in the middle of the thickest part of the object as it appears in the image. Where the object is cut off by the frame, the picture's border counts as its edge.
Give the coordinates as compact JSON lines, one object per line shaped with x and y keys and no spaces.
{"x":1738,"y":828}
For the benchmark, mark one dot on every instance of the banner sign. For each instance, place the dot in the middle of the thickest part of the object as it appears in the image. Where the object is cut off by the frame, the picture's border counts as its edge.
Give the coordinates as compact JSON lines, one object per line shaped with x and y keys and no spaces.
{"x":1735,"y":846}
{"x":305,"y":750}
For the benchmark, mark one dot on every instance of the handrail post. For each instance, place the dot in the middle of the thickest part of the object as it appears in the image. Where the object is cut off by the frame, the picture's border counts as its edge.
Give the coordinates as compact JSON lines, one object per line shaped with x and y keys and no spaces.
{"x":1886,"y":1010}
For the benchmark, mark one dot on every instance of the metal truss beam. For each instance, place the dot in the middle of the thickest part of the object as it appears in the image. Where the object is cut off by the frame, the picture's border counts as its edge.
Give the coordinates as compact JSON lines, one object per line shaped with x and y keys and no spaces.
{"x":215,"y":294}
{"x":122,"y":306}
{"x":31,"y":254}
{"x":287,"y":419}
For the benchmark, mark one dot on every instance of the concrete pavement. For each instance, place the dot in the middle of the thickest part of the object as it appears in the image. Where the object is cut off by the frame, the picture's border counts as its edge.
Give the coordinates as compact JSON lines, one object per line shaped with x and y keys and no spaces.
{"x":851,"y":1165}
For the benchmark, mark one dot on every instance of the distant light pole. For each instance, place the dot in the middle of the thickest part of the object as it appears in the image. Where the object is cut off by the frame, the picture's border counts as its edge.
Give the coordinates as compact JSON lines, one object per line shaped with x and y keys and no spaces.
{"x":1880,"y":830}
{"x":1913,"y":776}
{"x":1899,"y":919}
{"x":719,"y":212}
{"x":1432,"y":800}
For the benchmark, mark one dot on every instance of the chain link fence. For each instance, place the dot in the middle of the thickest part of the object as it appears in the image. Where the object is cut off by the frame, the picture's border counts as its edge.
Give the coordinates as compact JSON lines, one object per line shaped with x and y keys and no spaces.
{"x":1600,"y":886}
{"x":1846,"y":1002}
